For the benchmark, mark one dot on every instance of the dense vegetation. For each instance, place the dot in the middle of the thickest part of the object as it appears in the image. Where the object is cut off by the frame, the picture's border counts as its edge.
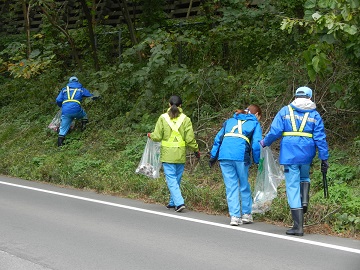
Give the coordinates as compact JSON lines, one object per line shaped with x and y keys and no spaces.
{"x":232,"y":56}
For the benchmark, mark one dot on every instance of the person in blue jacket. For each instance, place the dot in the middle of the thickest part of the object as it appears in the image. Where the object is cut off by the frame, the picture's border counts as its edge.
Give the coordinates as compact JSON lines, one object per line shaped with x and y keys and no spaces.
{"x":69,"y":100}
{"x":234,"y":144}
{"x":302,"y":130}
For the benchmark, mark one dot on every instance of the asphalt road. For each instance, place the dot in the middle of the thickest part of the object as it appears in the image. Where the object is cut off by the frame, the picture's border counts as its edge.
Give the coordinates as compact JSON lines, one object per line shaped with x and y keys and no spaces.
{"x":48,"y":227}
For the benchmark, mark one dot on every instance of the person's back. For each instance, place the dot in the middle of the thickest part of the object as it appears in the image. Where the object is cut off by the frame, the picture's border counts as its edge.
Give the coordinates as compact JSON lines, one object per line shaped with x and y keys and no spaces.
{"x":302,"y":131}
{"x":300,"y":147}
{"x":169,"y":153}
{"x":233,"y":144}
{"x":163,"y":132}
{"x":239,"y":136}
{"x":175,"y":132}
{"x":234,"y":149}
{"x":69,"y":99}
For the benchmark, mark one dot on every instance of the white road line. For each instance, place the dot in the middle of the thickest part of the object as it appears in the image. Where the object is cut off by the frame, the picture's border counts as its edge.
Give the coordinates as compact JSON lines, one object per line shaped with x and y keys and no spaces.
{"x":284,"y":237}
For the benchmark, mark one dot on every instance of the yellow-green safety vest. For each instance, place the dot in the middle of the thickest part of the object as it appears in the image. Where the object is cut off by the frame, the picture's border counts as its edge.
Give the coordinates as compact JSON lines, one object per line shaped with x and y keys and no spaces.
{"x":297,"y":132}
{"x":70,"y":99}
{"x":239,"y":134}
{"x":175,"y":139}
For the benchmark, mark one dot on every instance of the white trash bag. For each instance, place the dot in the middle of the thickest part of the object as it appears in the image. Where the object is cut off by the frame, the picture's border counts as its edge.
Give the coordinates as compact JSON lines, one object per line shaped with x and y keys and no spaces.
{"x":269,"y":176}
{"x":55,"y":123}
{"x":150,"y":162}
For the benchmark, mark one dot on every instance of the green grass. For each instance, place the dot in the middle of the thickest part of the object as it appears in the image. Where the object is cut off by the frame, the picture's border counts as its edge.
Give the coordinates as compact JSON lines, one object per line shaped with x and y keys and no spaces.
{"x":104,"y":157}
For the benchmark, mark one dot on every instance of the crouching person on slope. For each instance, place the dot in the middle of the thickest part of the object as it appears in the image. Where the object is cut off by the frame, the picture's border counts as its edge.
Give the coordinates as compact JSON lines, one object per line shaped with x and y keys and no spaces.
{"x":69,"y":100}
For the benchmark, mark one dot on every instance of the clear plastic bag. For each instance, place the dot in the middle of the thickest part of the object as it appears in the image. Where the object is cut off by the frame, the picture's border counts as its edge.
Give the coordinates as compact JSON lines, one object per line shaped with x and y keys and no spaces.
{"x":269,"y":176}
{"x":150,"y":162}
{"x":55,"y":123}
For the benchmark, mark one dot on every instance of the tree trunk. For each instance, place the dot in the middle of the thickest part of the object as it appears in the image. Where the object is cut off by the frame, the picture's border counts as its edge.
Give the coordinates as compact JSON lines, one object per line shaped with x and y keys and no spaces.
{"x":91,"y":33}
{"x":26,"y":11}
{"x":189,"y":9}
{"x":125,"y":11}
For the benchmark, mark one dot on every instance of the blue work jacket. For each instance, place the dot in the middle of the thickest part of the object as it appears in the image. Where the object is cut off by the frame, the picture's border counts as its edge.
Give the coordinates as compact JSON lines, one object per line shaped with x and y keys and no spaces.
{"x":72,"y":106}
{"x":299,"y":149}
{"x":234,"y":147}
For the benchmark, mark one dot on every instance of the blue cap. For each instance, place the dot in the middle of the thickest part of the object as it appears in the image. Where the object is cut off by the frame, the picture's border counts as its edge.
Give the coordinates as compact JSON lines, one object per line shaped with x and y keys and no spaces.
{"x":73,"y":79}
{"x":303,"y":91}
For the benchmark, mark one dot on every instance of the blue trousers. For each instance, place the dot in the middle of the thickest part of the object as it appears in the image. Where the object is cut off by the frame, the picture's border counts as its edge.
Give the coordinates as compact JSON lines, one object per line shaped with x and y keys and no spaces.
{"x":173,"y":173}
{"x":66,"y":120}
{"x":294,"y":174}
{"x":235,"y":174}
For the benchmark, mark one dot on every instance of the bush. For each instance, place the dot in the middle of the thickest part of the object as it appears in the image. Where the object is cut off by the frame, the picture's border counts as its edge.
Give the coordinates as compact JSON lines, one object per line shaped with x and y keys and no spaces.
{"x":216,"y":71}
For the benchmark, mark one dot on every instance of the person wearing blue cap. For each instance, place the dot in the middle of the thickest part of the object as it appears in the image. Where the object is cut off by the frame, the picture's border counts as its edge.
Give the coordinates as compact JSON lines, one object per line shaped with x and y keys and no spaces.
{"x":302,"y":130}
{"x":69,"y":100}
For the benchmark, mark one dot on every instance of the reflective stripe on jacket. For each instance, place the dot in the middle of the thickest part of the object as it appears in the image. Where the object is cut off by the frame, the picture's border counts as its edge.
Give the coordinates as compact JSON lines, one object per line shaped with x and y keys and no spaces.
{"x":295,"y":131}
{"x":70,"y":99}
{"x":236,"y":147}
{"x":175,"y":139}
{"x":238,"y":127}
{"x":298,"y":149}
{"x":163,"y":131}
{"x":75,"y":97}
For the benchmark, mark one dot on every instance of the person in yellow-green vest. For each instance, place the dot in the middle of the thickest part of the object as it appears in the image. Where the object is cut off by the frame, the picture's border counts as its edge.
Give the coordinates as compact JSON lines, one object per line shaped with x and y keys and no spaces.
{"x":175,"y":132}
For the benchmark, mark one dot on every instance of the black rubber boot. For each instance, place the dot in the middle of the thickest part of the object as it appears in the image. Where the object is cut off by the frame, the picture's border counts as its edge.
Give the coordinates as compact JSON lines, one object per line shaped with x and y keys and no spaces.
{"x":83,"y":124}
{"x":298,"y":218}
{"x":304,"y":194}
{"x":60,"y":140}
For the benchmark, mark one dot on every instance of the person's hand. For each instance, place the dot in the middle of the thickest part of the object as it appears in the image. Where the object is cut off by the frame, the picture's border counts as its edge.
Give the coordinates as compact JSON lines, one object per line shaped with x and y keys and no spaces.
{"x":197,"y":154}
{"x":212,"y":162}
{"x":324,"y":166}
{"x":262,"y":143}
{"x":149,"y":135}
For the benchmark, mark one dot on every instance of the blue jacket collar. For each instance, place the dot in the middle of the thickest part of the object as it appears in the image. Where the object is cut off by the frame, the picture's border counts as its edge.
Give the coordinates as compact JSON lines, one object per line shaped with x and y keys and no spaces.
{"x":74,"y":85}
{"x":242,"y":116}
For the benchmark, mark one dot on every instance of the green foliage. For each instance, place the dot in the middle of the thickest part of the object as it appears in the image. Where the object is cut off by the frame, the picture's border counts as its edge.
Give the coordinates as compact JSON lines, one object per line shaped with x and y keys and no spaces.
{"x":153,"y":14}
{"x":317,"y":60}
{"x":341,"y":210}
{"x":346,"y":222}
{"x":332,"y":22}
{"x":14,"y":58}
{"x":235,"y":56}
{"x":292,"y":8}
{"x":243,"y":29}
